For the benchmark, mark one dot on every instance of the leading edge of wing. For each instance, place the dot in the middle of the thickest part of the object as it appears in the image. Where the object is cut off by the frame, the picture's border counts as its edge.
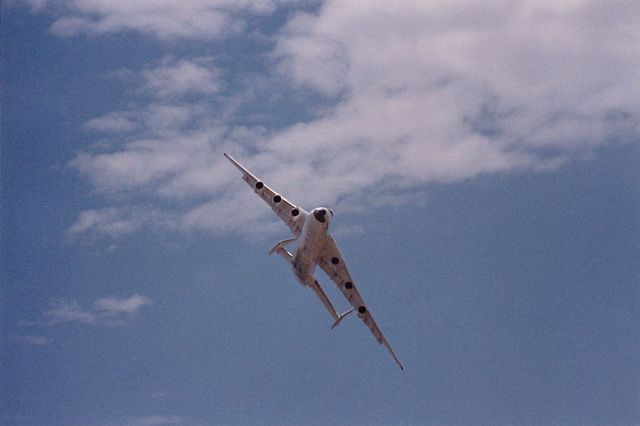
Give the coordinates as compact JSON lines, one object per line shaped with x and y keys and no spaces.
{"x":239,"y":166}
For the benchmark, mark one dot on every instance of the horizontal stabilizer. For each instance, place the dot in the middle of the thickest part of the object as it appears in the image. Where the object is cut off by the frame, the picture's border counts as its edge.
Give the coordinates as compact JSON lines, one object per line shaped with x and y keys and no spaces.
{"x":280,"y":246}
{"x":340,"y":317}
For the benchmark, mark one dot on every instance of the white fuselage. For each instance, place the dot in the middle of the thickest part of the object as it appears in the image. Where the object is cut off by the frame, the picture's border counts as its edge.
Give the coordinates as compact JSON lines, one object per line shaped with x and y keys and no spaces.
{"x":310,"y":243}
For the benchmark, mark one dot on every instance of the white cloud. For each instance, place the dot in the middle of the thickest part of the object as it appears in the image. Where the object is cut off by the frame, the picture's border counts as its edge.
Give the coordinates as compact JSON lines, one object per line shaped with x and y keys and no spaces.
{"x":114,"y":306}
{"x":115,"y":122}
{"x":172,"y":164}
{"x":539,"y":75}
{"x":419,"y":92}
{"x":65,"y":311}
{"x":109,"y":221}
{"x":322,"y":62}
{"x":174,"y":78}
{"x":105,"y":311}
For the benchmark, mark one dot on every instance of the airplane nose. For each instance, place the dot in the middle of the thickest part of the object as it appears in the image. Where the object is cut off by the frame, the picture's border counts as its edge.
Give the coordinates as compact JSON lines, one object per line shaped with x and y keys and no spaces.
{"x":320,"y":215}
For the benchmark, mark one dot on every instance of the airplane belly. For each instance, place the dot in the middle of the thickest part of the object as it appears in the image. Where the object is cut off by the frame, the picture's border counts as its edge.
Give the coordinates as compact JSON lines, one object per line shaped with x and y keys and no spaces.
{"x":309,"y":248}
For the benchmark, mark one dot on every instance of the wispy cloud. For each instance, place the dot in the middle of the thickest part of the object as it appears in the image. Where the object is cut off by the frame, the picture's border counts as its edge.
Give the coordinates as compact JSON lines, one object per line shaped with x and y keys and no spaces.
{"x":105,"y":311}
{"x":114,"y":306}
{"x":175,"y":78}
{"x":114,"y":122}
{"x":156,"y":420}
{"x":166,"y":20}
{"x":65,"y":311}
{"x":109,"y":221}
{"x":30,"y":340}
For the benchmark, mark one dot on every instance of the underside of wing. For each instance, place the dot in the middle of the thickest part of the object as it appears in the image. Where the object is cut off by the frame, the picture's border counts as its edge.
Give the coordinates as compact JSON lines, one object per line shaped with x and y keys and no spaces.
{"x":290,"y":214}
{"x":333,"y":264}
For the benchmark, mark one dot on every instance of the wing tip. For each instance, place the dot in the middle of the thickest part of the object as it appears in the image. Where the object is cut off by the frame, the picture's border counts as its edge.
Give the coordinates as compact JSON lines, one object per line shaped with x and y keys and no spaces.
{"x":238,"y":165}
{"x":395,"y":358}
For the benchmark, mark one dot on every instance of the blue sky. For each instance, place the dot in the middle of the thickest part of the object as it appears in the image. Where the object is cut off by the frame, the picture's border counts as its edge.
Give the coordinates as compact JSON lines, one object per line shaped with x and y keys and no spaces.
{"x":481,"y":160}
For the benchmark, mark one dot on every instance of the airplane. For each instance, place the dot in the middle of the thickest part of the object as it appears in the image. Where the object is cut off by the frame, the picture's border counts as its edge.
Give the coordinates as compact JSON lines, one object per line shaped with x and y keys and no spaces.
{"x":314,"y":247}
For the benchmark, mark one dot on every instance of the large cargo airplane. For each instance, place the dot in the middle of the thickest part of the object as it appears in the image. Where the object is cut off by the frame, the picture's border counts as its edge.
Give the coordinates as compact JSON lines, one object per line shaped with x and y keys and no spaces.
{"x":315,"y":247}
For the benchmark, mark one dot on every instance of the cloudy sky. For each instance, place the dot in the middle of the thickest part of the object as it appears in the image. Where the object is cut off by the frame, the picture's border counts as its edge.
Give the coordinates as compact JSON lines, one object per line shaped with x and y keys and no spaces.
{"x":481,"y":159}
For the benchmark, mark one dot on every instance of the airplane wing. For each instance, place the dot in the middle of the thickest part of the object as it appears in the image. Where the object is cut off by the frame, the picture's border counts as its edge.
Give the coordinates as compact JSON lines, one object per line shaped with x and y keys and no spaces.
{"x":290,"y":214}
{"x":333,"y":264}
